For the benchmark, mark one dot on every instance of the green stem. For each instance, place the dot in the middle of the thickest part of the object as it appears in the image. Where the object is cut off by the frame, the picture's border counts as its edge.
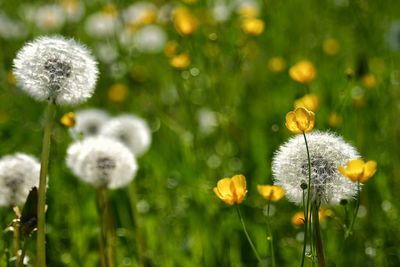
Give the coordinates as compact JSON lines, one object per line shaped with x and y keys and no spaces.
{"x":41,"y":223}
{"x":350,"y":229}
{"x":141,"y":249}
{"x":270,"y":238}
{"x":317,"y":236}
{"x":16,"y":242}
{"x":106,"y":230}
{"x":307,"y":207}
{"x":23,"y":251}
{"x":247,"y":235}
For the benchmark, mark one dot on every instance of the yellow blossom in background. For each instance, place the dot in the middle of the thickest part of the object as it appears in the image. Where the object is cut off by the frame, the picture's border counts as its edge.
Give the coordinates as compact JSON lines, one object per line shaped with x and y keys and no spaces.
{"x":310,"y":102}
{"x":300,"y":120}
{"x":180,"y":61}
{"x":118,"y":92}
{"x":185,"y":22}
{"x":189,"y":2}
{"x":231,"y":190}
{"x":248,"y":11}
{"x":68,"y":119}
{"x":253,"y":26}
{"x":303,"y":72}
{"x":369,"y":80}
{"x":171,"y":48}
{"x":298,"y":217}
{"x":276,"y":64}
{"x":70,"y":6}
{"x":358,"y":171}
{"x":11,"y":78}
{"x":334,"y":120}
{"x":331,"y":46}
{"x":110,"y":10}
{"x":271,"y":192}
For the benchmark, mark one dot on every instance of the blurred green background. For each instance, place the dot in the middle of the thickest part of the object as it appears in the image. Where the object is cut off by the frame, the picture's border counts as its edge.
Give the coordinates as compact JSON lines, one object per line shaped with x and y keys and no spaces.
{"x":222,"y":114}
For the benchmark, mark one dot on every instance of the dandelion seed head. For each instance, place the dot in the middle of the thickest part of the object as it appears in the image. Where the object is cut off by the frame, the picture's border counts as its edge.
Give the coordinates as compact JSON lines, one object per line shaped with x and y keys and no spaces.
{"x":18,"y":174}
{"x":102,"y":161}
{"x":327,"y":153}
{"x":89,"y":122}
{"x":55,"y":67}
{"x":131,"y":130}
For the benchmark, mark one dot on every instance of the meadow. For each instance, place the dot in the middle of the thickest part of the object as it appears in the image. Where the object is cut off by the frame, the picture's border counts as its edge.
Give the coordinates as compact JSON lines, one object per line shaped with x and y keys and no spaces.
{"x":212,"y":80}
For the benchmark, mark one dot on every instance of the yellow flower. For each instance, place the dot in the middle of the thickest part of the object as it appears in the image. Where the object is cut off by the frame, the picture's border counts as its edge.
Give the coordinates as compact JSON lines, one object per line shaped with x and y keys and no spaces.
{"x":276,"y":64}
{"x":300,"y":120}
{"x":185,"y":23}
{"x":68,"y":119}
{"x":271,"y":192}
{"x":334,"y":120}
{"x":248,"y":11}
{"x":310,"y":102}
{"x":369,"y":80}
{"x":298,"y":217}
{"x":358,"y":171}
{"x":171,"y":48}
{"x":303,"y":72}
{"x":253,"y":26}
{"x":231,"y":190}
{"x":331,"y":46}
{"x":180,"y":61}
{"x":110,"y":10}
{"x":118,"y":92}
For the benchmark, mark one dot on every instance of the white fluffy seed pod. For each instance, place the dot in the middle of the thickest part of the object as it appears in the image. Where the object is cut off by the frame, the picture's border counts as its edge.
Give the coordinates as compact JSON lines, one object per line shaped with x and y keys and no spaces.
{"x":89,"y":122}
{"x":327,"y":153}
{"x":55,"y":67}
{"x":18,"y":174}
{"x":131,"y":130}
{"x":102,"y":162}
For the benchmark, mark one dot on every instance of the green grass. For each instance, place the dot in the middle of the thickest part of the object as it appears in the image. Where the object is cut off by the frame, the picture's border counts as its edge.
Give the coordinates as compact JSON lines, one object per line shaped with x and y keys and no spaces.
{"x":186,"y":224}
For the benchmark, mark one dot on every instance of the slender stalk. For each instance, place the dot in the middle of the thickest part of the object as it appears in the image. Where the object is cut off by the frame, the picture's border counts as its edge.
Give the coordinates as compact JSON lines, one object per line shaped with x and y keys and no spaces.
{"x":350,"y":229}
{"x":16,"y":242}
{"x":44,"y":164}
{"x":307,"y":206}
{"x":23,"y":251}
{"x":106,"y":231}
{"x":317,"y":236}
{"x":141,"y":249}
{"x":247,"y":235}
{"x":270,"y":238}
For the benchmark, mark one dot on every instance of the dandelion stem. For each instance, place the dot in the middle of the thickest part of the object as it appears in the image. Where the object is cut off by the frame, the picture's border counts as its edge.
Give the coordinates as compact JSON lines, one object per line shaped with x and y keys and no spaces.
{"x":307,"y":207}
{"x":317,"y":236}
{"x":350,"y":229}
{"x":270,"y":238}
{"x":41,"y":216}
{"x":106,"y":231}
{"x":247,"y":235}
{"x":141,"y":249}
{"x":16,"y":242}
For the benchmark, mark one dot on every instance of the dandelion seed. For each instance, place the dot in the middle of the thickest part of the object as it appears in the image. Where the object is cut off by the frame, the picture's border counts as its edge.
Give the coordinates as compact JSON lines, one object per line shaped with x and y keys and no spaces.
{"x":18,"y":174}
{"x":102,"y":162}
{"x":56,"y":68}
{"x":130,"y":130}
{"x":327,"y":153}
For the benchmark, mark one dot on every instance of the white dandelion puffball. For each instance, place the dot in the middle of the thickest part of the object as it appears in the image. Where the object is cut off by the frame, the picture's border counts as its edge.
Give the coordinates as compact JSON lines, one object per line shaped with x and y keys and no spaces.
{"x":89,"y":122}
{"x":56,"y":68}
{"x":131,"y":130}
{"x":327,"y":153}
{"x":150,"y":39}
{"x":102,"y":162}
{"x":18,"y":174}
